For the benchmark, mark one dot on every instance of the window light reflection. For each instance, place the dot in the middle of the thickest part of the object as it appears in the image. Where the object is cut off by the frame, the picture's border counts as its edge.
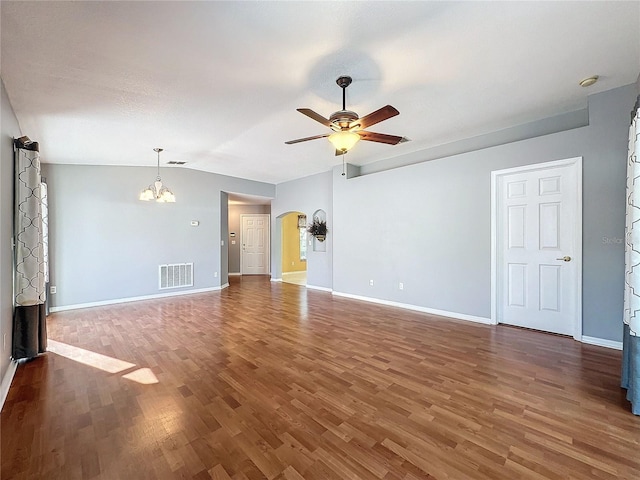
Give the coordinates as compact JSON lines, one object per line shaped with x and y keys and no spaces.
{"x":102,"y":362}
{"x":143,"y":375}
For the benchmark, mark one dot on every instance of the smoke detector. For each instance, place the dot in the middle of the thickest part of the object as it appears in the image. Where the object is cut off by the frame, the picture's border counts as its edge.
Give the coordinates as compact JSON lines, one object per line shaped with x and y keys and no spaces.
{"x":587,"y":82}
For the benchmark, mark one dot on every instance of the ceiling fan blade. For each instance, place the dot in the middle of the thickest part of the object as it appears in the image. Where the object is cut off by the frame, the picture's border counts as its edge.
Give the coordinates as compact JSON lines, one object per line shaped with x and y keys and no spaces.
{"x":291,"y":142}
{"x":380,"y":137}
{"x":377,"y":116}
{"x":315,"y":116}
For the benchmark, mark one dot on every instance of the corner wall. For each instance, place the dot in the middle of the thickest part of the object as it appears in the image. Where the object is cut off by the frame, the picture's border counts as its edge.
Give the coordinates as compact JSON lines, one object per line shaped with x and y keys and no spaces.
{"x":9,"y":130}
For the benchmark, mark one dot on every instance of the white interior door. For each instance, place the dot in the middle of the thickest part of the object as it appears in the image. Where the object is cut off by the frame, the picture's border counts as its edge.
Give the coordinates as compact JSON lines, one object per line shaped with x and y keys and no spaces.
{"x":538,"y":232}
{"x":254,"y":258}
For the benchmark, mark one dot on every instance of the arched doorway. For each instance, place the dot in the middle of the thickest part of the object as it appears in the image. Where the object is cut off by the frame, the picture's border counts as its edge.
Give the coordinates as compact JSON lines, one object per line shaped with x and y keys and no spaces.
{"x":294,"y":248}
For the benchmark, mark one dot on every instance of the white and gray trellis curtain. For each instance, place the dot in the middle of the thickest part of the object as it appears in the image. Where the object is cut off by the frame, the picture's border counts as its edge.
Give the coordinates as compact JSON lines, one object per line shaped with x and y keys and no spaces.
{"x":29,"y":323}
{"x":44,"y":193}
{"x":631,"y":314}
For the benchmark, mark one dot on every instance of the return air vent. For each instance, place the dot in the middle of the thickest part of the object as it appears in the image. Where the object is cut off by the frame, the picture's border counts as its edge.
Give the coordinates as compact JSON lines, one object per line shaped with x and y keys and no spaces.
{"x":174,"y":162}
{"x":176,"y":275}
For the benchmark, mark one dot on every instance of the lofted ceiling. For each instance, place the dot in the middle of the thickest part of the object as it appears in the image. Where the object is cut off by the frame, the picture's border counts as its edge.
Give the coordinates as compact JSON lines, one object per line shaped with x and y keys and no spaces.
{"x":217,"y":84}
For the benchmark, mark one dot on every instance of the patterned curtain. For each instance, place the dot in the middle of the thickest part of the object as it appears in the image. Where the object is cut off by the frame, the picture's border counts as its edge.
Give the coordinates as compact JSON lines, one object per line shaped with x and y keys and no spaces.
{"x":29,"y":321}
{"x":631,"y":314}
{"x":45,"y":240}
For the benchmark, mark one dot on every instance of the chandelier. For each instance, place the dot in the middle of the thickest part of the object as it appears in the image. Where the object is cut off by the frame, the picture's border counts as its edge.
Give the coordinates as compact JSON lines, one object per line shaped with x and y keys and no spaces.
{"x":157,"y":191}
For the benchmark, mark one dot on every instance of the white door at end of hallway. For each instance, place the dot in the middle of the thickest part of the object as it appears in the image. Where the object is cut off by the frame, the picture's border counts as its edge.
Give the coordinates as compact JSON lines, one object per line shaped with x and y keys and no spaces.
{"x":255,"y":245}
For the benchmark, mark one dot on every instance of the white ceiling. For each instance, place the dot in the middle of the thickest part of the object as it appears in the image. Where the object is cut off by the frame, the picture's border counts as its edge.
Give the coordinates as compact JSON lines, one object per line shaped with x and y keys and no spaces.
{"x":216,"y":84}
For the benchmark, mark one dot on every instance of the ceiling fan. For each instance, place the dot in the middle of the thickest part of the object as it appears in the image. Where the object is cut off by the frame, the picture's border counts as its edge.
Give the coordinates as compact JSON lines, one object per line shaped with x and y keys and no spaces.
{"x":347,"y":127}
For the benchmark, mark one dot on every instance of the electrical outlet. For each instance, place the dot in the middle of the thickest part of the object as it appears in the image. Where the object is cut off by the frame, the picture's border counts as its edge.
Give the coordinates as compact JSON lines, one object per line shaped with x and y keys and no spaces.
{"x":371,"y":283}
{"x":401,"y":286}
{"x":53,"y":290}
{"x":215,"y":274}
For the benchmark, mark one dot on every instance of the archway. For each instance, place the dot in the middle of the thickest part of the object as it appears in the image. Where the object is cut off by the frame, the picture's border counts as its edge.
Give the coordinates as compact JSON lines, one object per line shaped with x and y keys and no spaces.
{"x":294,"y":248}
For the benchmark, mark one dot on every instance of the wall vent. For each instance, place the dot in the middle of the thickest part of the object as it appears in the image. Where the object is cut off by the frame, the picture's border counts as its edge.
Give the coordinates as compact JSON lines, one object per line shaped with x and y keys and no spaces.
{"x":174,"y":162}
{"x":176,"y":275}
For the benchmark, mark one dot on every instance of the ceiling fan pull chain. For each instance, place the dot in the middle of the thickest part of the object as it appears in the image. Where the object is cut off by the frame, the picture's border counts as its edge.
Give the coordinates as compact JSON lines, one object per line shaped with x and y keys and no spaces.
{"x":343,"y":172}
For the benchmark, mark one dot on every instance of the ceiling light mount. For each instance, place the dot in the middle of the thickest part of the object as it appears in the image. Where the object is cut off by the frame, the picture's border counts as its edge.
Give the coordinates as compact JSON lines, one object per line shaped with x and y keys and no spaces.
{"x":587,"y":82}
{"x":344,"y":81}
{"x":158,"y":192}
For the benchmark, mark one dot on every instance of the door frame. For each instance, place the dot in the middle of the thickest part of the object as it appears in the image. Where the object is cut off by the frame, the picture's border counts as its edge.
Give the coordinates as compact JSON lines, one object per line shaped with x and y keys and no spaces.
{"x":267,"y":238}
{"x":496,"y":176}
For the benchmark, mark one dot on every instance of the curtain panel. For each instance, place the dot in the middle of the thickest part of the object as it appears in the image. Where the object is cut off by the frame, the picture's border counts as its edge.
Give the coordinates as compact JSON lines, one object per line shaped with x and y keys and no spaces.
{"x":30,"y":268}
{"x":631,"y":313}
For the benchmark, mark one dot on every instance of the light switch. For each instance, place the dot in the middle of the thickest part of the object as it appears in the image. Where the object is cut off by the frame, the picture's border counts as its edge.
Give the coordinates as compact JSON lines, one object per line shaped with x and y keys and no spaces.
{"x":233,"y":242}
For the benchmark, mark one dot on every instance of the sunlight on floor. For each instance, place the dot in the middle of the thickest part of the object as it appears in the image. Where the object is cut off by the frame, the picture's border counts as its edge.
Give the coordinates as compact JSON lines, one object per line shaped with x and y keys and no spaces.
{"x":143,"y":375}
{"x":87,"y":357}
{"x":102,"y":362}
{"x":298,"y":278}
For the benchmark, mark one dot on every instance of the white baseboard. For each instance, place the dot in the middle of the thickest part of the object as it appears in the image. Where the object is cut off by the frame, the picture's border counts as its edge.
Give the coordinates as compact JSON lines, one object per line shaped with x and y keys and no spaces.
{"x":322,"y":289}
{"x":77,"y":306}
{"x":602,"y":342}
{"x":294,"y":272}
{"x":276,"y":279}
{"x":234,"y":274}
{"x":417,"y":308}
{"x":6,"y":381}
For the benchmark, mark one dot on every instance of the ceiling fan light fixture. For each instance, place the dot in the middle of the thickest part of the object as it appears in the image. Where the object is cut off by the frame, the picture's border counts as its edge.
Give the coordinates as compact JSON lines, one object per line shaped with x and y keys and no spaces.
{"x":347,"y":127}
{"x":344,"y":140}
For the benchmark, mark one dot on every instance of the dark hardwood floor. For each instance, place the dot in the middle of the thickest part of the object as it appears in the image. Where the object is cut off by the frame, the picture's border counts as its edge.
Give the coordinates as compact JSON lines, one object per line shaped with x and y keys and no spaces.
{"x":267,"y":380}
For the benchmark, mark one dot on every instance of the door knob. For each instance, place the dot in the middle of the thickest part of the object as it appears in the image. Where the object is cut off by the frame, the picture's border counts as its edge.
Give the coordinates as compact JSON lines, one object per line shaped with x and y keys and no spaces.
{"x":566,"y":258}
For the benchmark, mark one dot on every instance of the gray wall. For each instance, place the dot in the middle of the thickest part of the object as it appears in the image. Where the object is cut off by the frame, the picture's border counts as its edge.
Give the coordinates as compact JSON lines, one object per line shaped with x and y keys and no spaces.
{"x":224,"y":234}
{"x":105,"y":244}
{"x":234,"y":226}
{"x":428,"y":225}
{"x":304,"y":195}
{"x":10,"y":129}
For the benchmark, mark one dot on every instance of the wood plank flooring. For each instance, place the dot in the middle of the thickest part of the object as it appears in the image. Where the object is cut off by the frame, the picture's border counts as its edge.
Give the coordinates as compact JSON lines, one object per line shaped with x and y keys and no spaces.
{"x":267,"y":380}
